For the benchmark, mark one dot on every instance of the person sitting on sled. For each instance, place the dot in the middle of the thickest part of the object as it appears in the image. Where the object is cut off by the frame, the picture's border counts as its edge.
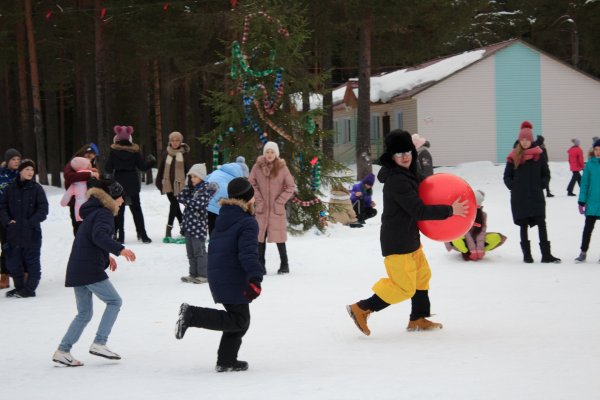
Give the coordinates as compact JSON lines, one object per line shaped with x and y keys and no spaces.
{"x":477,"y":241}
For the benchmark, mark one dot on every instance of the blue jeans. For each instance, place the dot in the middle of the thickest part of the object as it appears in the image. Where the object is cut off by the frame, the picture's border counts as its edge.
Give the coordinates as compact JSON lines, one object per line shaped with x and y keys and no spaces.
{"x":106,"y":292}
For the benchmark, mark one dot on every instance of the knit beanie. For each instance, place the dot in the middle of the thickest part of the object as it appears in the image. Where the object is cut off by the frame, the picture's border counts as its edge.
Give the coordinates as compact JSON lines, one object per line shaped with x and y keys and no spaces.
{"x":240,"y":188}
{"x":526,"y":131}
{"x":198,"y":170}
{"x":123,"y":133}
{"x":273,"y":146}
{"x":576,"y":141}
{"x":176,"y":134}
{"x":26,"y":163}
{"x":597,"y":143}
{"x":111,"y":187}
{"x":242,"y":161}
{"x":479,"y":197}
{"x":418,"y":141}
{"x":10,"y":154}
{"x":79,"y":163}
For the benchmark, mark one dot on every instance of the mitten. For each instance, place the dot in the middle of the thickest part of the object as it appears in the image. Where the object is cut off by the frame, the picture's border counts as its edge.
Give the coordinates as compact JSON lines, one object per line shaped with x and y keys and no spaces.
{"x":252,"y":290}
{"x":582,"y":209}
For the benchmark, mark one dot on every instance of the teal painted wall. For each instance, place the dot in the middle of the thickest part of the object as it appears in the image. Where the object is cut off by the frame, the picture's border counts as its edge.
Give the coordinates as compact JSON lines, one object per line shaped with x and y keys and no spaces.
{"x":518,"y":95}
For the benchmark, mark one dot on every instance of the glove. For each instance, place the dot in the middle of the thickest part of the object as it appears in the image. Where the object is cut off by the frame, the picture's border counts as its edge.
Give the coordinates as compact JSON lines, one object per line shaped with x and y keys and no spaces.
{"x":253,"y":290}
{"x":150,"y":159}
{"x":582,"y":209}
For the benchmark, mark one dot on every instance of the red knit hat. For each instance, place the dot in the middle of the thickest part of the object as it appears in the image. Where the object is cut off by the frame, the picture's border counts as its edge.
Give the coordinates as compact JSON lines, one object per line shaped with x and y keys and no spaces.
{"x":525,"y":132}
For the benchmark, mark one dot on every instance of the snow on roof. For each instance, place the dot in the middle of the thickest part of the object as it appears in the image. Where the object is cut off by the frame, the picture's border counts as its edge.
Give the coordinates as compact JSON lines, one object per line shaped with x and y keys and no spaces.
{"x":385,"y":87}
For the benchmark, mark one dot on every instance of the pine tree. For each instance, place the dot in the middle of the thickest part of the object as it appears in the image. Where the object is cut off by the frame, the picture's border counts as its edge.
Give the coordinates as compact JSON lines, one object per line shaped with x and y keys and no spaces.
{"x":265,"y":99}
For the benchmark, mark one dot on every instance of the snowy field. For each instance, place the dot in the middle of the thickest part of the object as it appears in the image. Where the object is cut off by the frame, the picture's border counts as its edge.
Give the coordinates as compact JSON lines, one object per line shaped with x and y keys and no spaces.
{"x":511,"y":330}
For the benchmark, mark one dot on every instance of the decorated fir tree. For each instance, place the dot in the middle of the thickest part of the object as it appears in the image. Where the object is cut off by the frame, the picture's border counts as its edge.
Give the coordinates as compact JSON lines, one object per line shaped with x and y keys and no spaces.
{"x":266,"y":98}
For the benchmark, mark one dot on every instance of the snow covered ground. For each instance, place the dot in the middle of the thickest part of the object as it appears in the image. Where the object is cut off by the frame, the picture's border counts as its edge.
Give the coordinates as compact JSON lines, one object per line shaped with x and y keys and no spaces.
{"x":511,"y":330}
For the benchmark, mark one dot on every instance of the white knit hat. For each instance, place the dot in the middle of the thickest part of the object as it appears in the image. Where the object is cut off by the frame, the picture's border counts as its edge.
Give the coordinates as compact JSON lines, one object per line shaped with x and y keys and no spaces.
{"x":198,"y":170}
{"x":479,"y":197}
{"x":273,"y":146}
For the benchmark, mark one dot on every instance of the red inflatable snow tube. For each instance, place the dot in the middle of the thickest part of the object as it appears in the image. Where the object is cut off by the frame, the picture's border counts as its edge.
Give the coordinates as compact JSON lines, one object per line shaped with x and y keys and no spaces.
{"x":445,"y":189}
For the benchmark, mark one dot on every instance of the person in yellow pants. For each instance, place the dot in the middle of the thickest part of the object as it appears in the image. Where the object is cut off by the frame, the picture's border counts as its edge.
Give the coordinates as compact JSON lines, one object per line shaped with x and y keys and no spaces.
{"x":407,"y":268}
{"x":477,"y":241}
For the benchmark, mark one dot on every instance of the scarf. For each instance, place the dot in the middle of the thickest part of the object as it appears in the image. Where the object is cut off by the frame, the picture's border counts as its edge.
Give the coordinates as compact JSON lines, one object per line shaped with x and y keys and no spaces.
{"x":178,"y":182}
{"x":532,"y":153}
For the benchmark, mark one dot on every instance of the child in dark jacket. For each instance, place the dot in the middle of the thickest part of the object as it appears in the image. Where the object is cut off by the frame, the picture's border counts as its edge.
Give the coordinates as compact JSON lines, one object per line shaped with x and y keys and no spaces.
{"x":86,"y":270}
{"x":407,"y":268}
{"x":8,"y":174}
{"x":23,"y":207}
{"x":234,"y":276}
{"x":195,"y":197}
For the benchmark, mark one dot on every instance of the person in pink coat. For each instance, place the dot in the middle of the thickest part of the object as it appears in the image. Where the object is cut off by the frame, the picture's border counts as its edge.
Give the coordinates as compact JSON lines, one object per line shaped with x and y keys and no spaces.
{"x":273,"y":186}
{"x":77,"y":190}
{"x":576,"y":165}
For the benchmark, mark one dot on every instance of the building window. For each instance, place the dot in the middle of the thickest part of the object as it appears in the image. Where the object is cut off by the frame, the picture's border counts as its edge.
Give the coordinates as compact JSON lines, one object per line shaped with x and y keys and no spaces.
{"x":348,"y":130}
{"x":399,"y":120}
{"x":375,"y":126}
{"x":337,"y":129}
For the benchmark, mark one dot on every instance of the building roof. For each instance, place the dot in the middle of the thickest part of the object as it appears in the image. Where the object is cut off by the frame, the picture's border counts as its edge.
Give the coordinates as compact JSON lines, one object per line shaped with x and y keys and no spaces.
{"x":405,"y":83}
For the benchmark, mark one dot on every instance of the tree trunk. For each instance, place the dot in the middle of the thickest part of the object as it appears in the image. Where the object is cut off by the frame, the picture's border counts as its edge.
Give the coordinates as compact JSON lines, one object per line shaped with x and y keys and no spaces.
{"x":27,"y":139}
{"x":143,"y":122}
{"x":103,"y":141}
{"x":156,"y":86}
{"x":51,"y":111}
{"x":38,"y":127}
{"x":325,"y":57}
{"x":363,"y":139}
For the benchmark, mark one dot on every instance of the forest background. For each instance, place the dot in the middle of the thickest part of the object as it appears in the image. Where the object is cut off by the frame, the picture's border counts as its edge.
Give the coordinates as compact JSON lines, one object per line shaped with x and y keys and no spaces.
{"x":71,"y":69}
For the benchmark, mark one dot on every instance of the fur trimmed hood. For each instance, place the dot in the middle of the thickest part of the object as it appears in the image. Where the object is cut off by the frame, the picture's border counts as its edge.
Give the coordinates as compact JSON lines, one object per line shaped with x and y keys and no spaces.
{"x":244,"y":205}
{"x":133,"y":148}
{"x":107,"y":202}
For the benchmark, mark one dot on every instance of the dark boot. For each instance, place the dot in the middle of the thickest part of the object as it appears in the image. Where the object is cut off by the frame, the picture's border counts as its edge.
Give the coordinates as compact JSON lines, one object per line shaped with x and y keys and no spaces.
{"x":168,"y":232}
{"x":526,"y":247}
{"x":144,"y":238}
{"x":547,"y":257}
{"x":284,"y":267}
{"x":261,"y":256}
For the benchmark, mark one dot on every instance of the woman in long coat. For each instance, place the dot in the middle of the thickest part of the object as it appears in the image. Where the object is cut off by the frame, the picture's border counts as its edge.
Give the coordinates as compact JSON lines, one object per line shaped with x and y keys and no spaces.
{"x":173,"y":166}
{"x":273,"y":186}
{"x":526,"y":175}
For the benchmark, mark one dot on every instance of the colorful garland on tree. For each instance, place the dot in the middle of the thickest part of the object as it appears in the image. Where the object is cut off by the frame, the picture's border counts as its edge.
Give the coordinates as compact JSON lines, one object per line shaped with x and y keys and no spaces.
{"x":305,"y":203}
{"x":217,"y":146}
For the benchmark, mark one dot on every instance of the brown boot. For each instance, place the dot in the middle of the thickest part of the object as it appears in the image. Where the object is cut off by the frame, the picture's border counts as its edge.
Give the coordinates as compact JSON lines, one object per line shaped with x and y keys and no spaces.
{"x":4,"y":281}
{"x":423,"y":324}
{"x":360,"y":317}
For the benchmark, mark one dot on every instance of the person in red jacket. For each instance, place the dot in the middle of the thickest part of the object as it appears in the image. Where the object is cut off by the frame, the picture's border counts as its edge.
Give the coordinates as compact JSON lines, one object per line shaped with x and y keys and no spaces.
{"x":576,"y":165}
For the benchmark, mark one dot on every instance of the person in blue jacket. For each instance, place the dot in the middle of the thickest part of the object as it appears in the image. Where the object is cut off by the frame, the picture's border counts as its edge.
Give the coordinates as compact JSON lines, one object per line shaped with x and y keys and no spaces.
{"x":219,"y":179}
{"x":86,"y":270}
{"x":234,"y":276}
{"x":8,"y":174}
{"x":23,"y":207}
{"x":589,"y":199}
{"x":361,"y":196}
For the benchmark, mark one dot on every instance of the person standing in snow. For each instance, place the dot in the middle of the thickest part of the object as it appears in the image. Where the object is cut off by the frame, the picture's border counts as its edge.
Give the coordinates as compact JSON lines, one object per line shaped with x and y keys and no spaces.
{"x":124,"y":161}
{"x":234,"y":276}
{"x":71,"y":176}
{"x":589,"y":199}
{"x":9,"y":170}
{"x":526,"y":175}
{"x":23,"y":208}
{"x":361,"y":196}
{"x":424,"y":159}
{"x":173,"y":165}
{"x":274,"y":186}
{"x":539,"y":141}
{"x":219,"y":179}
{"x":86,"y":270}
{"x":195,"y":197}
{"x":576,"y":165}
{"x":407,"y":268}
